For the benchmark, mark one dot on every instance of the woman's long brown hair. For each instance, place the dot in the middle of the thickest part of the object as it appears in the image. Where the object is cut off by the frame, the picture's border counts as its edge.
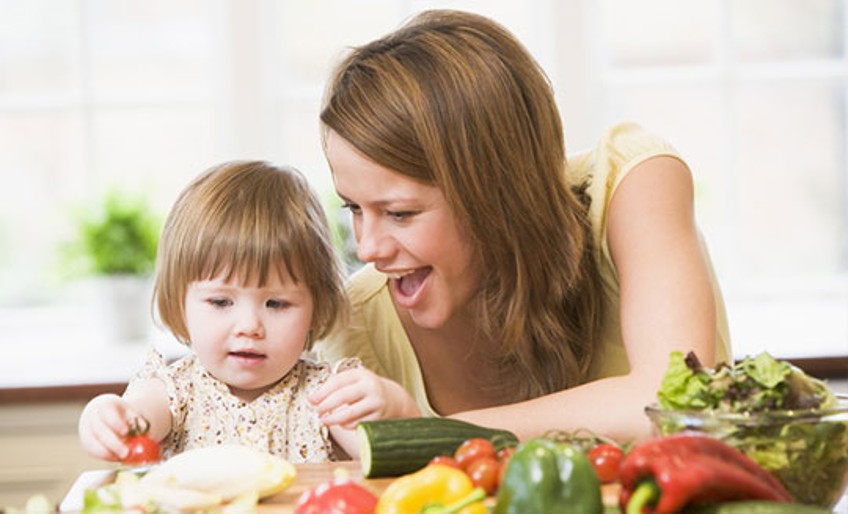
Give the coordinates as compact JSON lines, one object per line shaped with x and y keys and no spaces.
{"x":453,"y":99}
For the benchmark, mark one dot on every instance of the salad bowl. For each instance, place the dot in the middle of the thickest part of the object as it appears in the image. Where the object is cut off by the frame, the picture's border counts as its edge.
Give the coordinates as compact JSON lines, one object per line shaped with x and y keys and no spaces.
{"x":807,"y":449}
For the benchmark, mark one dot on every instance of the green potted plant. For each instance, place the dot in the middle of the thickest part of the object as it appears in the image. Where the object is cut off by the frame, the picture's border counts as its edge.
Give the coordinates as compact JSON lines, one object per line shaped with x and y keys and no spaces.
{"x":120,"y":238}
{"x":116,"y":245}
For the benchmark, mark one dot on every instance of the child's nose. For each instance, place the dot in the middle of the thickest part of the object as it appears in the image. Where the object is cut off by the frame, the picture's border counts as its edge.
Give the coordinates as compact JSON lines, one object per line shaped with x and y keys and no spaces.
{"x":250,"y":324}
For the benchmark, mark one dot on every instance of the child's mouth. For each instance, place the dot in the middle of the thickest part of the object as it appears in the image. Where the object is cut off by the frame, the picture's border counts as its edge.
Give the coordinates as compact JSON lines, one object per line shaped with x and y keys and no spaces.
{"x":247,"y":355}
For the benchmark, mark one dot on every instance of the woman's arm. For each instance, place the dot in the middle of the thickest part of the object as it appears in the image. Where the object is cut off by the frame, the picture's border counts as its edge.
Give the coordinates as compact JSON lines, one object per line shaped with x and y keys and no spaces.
{"x":667,"y":303}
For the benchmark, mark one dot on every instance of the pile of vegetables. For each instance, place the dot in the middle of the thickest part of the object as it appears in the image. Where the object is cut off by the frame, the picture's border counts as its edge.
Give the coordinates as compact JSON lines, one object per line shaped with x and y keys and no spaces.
{"x":687,"y":472}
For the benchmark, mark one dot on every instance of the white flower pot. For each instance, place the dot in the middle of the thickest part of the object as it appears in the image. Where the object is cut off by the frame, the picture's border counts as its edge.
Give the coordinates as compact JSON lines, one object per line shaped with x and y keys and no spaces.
{"x":123,"y":307}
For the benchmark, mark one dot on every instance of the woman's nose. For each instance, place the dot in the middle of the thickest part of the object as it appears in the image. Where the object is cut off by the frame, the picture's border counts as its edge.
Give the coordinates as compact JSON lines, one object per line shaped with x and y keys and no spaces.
{"x":371,"y":243}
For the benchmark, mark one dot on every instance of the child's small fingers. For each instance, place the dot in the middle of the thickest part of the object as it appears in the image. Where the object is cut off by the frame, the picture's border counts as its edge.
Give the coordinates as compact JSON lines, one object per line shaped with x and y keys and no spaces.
{"x":327,"y":388}
{"x":339,"y":398}
{"x":342,"y":416}
{"x":350,"y":413}
{"x":333,"y":383}
{"x":112,"y":444}
{"x":116,"y":420}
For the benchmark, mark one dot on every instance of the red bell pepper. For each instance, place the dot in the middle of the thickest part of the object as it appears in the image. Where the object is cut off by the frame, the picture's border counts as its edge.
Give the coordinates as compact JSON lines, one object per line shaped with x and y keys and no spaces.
{"x":688,"y":469}
{"x":337,"y":496}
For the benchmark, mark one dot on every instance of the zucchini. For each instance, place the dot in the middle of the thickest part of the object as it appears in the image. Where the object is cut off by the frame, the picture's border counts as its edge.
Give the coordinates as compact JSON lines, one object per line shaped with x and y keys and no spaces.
{"x":758,"y":507}
{"x":393,"y":447}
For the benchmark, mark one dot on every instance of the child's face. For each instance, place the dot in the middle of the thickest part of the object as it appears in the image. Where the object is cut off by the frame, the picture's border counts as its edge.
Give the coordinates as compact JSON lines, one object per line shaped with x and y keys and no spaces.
{"x":246,"y":336}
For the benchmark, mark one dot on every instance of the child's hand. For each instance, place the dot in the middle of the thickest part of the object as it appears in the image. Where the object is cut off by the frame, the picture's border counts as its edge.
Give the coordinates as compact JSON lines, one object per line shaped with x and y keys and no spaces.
{"x":103,"y":427}
{"x":359,"y":394}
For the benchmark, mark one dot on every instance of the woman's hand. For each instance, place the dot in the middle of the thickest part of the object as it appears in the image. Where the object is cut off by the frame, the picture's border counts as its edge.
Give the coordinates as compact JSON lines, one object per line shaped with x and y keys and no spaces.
{"x":104,"y":425}
{"x":359,"y":394}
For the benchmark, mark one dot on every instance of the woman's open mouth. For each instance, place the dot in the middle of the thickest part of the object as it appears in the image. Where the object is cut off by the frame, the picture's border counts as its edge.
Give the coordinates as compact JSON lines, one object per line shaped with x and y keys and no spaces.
{"x":407,"y":285}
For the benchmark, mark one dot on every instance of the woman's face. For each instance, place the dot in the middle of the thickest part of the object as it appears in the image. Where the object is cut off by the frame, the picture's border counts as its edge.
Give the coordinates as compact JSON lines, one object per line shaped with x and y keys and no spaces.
{"x":407,"y":230}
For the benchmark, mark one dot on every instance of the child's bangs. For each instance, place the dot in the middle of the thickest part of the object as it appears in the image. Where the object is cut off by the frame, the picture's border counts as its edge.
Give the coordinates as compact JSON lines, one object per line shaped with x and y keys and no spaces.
{"x":245,"y":258}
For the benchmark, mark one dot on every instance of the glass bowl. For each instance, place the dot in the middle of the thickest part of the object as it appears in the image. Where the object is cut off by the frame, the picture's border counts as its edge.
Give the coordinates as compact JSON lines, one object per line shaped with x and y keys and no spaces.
{"x":806,"y":449}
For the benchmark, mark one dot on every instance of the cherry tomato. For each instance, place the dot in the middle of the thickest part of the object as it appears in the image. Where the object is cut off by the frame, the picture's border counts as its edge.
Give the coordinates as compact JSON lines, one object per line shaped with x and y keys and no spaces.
{"x":143,"y":449}
{"x":485,"y":472}
{"x":445,"y":460}
{"x":473,"y":449}
{"x":606,"y":459}
{"x":504,"y":454}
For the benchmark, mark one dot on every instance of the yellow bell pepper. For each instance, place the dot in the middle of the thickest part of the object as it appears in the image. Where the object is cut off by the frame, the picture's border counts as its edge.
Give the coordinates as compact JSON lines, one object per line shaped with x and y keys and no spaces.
{"x":436,"y":489}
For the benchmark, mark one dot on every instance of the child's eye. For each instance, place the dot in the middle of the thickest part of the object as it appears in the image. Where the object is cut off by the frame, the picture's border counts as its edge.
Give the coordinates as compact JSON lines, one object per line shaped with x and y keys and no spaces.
{"x":219,"y":302}
{"x":277,"y":304}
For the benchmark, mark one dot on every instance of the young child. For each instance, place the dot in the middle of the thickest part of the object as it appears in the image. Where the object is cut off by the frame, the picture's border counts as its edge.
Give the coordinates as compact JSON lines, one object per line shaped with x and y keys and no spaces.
{"x":246,"y":277}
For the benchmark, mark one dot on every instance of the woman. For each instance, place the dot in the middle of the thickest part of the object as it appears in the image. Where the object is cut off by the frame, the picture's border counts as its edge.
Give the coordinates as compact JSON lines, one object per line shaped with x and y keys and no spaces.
{"x":505,"y":285}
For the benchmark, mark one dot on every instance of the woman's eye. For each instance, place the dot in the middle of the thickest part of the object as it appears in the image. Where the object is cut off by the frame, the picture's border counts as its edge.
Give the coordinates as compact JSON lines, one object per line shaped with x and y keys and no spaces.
{"x":277,"y":304}
{"x":352,"y":207}
{"x":400,"y":215}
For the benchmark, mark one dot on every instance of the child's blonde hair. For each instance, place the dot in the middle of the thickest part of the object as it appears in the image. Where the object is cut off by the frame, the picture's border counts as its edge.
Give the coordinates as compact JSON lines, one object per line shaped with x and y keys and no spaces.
{"x":236,"y":221}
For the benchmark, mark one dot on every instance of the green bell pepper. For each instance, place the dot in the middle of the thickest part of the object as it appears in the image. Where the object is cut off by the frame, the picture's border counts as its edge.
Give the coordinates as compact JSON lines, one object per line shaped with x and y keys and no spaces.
{"x":545,"y":476}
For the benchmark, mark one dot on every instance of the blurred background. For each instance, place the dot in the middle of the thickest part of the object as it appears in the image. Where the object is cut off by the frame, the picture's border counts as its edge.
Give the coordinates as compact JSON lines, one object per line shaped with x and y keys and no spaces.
{"x":109,"y":107}
{"x":137,"y":97}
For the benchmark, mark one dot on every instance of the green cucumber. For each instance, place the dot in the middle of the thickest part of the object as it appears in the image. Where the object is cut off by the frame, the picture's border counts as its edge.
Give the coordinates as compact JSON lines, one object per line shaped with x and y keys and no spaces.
{"x":758,"y":507}
{"x":393,"y":447}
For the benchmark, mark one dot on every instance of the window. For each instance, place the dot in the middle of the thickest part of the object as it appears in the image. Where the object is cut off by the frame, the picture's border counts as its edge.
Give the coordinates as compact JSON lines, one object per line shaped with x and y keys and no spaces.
{"x":145,"y":95}
{"x":753,"y":93}
{"x":97,"y":94}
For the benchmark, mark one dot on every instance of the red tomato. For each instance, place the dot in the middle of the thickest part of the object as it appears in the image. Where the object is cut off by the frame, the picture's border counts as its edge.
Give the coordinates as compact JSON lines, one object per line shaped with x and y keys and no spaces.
{"x":485,"y":472}
{"x":504,"y":454}
{"x":143,"y":449}
{"x":445,"y":460}
{"x":473,"y":449}
{"x":606,"y":459}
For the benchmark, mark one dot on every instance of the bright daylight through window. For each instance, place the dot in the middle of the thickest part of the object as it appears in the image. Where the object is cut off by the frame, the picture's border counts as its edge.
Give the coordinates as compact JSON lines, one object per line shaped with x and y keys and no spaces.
{"x":100,"y":95}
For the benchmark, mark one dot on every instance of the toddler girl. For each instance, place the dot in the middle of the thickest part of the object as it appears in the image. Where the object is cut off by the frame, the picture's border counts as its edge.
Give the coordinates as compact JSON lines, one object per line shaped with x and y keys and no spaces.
{"x":246,"y":277}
